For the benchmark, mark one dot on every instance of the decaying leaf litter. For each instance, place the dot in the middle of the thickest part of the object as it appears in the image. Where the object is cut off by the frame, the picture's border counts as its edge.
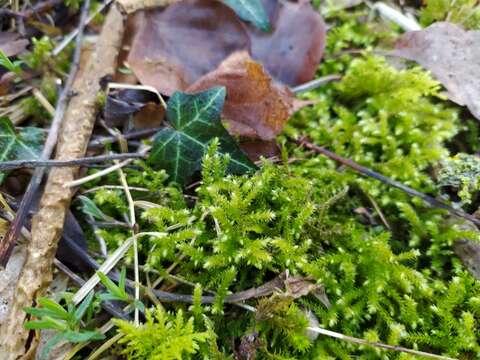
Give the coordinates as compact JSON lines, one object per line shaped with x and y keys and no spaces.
{"x":195,"y":250}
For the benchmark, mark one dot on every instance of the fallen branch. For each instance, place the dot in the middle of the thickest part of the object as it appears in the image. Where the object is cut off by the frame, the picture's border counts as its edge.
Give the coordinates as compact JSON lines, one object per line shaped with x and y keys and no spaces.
{"x":17,"y":164}
{"x":368,"y":172}
{"x":47,"y":223}
{"x":6,"y":246}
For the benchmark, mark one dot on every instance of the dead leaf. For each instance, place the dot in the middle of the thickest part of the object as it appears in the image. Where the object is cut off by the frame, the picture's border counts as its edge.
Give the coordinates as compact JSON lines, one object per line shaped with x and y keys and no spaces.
{"x":255,"y":106}
{"x":175,"y":47}
{"x":297,"y":286}
{"x":293,"y":50}
{"x":452,"y":55}
{"x":141,"y":106}
{"x":12,"y":44}
{"x":255,"y":149}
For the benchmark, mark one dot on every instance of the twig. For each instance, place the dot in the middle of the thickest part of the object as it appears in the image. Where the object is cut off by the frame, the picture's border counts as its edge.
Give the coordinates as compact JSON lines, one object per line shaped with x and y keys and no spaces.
{"x":133,"y":224}
{"x":104,"y":172}
{"x":314,"y":84}
{"x":101,"y":187}
{"x":37,"y":9}
{"x":66,"y":40}
{"x":11,"y":236}
{"x":355,"y":340}
{"x":16,"y":164}
{"x":43,"y":101}
{"x":102,"y":141}
{"x":368,"y":172}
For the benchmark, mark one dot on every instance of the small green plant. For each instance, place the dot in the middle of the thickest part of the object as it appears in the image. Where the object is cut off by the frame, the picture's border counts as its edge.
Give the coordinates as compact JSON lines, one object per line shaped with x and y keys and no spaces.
{"x":164,"y":336}
{"x":13,"y":66}
{"x":70,"y":323}
{"x":117,"y":292}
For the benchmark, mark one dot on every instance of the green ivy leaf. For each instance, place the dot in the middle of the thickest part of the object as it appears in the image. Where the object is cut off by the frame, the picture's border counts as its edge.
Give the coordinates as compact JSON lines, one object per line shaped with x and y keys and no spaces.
{"x":251,"y":11}
{"x":25,"y":145}
{"x":195,"y":121}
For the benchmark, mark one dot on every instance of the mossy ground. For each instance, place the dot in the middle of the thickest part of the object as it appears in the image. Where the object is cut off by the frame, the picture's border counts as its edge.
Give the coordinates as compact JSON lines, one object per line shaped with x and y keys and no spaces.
{"x":385,"y":259}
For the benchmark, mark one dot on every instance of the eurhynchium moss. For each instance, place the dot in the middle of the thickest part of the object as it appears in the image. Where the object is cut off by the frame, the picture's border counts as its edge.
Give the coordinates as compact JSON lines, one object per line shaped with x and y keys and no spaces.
{"x":385,"y":260}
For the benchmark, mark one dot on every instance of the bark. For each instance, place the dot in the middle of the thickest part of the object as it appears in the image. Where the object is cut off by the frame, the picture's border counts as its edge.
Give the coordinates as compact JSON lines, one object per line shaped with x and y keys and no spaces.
{"x":47,"y":224}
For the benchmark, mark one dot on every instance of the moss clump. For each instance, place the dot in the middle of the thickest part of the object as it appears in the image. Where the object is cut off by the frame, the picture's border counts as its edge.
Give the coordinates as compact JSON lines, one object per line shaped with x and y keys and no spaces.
{"x":463,"y":12}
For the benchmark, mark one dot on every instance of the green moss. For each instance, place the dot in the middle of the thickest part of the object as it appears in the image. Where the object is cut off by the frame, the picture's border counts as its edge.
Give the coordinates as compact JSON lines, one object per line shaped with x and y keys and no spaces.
{"x":463,"y":12}
{"x":393,"y":279}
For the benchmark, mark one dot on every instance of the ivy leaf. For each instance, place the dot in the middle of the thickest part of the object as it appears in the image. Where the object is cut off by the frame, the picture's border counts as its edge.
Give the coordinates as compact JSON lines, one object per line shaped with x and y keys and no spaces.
{"x":25,"y":145}
{"x":195,"y":121}
{"x":251,"y":11}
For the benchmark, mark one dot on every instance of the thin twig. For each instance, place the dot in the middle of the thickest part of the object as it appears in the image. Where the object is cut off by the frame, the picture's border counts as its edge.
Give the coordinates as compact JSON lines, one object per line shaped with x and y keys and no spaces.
{"x":133,"y":224}
{"x":37,"y":9}
{"x":43,"y":101}
{"x":66,"y":40}
{"x":11,"y":236}
{"x":368,"y":172}
{"x":16,"y":164}
{"x":139,"y":134}
{"x":355,"y":340}
{"x":104,"y":172}
{"x":316,"y":83}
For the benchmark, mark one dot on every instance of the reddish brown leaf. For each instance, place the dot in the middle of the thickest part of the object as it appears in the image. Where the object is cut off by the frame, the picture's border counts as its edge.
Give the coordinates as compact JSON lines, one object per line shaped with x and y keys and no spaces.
{"x":452,"y":55}
{"x":255,"y":105}
{"x":175,"y":47}
{"x":257,"y":148}
{"x":292,"y":52}
{"x":12,"y":44}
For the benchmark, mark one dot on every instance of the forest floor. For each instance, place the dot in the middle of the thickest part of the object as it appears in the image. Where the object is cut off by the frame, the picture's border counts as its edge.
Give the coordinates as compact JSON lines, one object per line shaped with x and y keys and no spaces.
{"x":239,"y":179}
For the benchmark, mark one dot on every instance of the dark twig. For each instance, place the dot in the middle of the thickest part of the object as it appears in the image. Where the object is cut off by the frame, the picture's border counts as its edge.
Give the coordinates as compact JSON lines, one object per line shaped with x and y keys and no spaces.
{"x":368,"y":172}
{"x":16,"y":164}
{"x":139,"y":134}
{"x":37,"y":9}
{"x":6,"y":246}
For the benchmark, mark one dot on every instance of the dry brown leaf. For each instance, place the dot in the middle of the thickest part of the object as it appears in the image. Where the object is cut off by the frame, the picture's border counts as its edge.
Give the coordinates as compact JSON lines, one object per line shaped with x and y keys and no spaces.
{"x":255,"y":149}
{"x":452,"y":55}
{"x":255,"y":106}
{"x":293,"y":50}
{"x":175,"y":47}
{"x":12,"y":44}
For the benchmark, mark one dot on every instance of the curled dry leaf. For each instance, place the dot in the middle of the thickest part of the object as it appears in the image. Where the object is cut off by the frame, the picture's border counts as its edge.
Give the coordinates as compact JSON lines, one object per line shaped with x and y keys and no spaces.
{"x":175,"y":47}
{"x":452,"y":55}
{"x":293,"y":50}
{"x":256,"y":106}
{"x":141,"y":106}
